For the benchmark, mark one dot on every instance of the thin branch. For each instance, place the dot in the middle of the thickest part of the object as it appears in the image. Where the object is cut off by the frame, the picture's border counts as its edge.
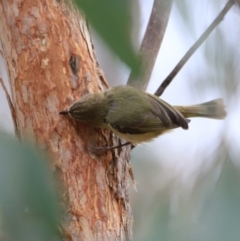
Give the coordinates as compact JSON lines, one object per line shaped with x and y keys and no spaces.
{"x":192,"y":50}
{"x":238,"y":2}
{"x":11,"y":108}
{"x":151,"y":42}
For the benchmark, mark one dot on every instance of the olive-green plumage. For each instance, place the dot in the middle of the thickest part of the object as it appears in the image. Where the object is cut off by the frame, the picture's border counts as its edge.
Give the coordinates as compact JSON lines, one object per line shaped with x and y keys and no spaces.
{"x":138,"y":116}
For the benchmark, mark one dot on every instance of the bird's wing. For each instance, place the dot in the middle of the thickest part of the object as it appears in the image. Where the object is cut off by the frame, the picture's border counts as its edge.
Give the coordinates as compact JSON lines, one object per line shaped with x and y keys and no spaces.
{"x":149,"y":123}
{"x":158,"y":117}
{"x":166,"y":113}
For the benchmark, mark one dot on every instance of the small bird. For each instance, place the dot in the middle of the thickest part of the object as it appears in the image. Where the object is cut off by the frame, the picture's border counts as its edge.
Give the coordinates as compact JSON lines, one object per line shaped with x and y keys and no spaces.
{"x":136,"y":115}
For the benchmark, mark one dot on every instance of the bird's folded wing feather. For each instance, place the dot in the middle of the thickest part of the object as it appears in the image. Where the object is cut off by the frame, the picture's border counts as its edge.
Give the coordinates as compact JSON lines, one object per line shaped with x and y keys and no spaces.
{"x":159,"y":117}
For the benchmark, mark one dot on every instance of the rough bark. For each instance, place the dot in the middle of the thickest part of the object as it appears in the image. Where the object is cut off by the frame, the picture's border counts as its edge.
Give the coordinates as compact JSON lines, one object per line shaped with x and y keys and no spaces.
{"x":51,"y":63}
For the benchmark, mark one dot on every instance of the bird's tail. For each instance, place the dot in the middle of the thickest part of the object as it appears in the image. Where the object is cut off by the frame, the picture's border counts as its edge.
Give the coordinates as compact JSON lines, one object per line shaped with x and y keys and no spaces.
{"x":213,"y":109}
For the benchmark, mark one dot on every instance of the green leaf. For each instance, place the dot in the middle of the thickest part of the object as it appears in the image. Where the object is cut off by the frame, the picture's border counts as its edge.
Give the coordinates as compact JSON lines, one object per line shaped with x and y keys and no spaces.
{"x":29,"y":206}
{"x":112,"y":20}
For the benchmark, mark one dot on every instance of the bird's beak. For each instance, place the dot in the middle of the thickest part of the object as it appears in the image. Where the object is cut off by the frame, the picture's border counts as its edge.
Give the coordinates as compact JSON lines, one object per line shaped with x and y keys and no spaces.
{"x":64,"y":112}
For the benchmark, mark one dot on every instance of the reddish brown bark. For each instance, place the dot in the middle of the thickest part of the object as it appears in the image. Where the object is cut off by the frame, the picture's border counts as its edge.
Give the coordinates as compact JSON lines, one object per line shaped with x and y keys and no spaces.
{"x":39,"y":38}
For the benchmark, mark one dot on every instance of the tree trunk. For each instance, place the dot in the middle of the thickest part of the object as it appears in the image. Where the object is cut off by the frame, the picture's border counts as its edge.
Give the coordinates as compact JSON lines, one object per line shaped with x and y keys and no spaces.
{"x":51,"y":63}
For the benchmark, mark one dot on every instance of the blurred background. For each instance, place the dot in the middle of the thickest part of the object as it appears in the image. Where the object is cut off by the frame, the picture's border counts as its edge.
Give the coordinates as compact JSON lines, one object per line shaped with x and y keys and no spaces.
{"x":187,"y":181}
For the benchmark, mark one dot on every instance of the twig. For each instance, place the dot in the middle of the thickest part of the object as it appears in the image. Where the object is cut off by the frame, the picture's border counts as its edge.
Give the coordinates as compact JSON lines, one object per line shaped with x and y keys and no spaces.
{"x":151,"y":42}
{"x":238,"y":2}
{"x":192,"y":50}
{"x":11,"y":108}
